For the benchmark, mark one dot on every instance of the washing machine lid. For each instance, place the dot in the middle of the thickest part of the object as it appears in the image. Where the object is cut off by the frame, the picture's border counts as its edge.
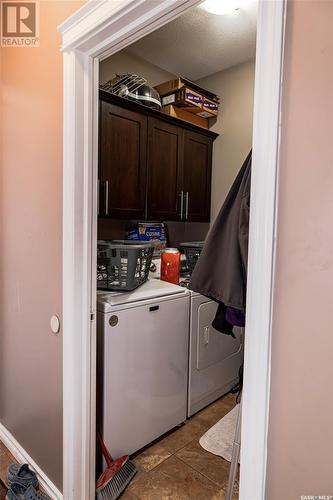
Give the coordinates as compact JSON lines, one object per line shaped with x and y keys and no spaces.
{"x":153,"y":288}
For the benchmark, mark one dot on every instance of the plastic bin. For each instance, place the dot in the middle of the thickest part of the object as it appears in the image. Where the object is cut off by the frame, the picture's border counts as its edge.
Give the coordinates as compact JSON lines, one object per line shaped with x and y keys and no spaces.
{"x":122,"y":265}
{"x":192,"y":251}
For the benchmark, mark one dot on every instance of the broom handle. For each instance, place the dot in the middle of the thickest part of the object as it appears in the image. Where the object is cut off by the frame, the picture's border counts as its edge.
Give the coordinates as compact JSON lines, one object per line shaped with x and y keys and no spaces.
{"x":105,"y":451}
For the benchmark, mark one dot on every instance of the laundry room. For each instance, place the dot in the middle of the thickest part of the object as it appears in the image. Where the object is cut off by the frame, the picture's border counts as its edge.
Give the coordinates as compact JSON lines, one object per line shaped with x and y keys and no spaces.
{"x":174,"y":159}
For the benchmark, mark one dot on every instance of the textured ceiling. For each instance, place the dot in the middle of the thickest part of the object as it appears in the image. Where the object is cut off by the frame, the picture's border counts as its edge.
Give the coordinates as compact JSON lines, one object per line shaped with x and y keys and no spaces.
{"x":198,"y":43}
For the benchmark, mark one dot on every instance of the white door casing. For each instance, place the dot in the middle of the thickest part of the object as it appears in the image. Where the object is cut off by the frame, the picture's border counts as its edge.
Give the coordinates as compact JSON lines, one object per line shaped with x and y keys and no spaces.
{"x":97,"y":30}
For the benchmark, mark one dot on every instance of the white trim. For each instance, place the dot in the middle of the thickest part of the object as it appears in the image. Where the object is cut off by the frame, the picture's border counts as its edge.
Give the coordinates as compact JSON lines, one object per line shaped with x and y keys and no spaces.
{"x":262,"y":239}
{"x":89,"y":28}
{"x":98,"y":29}
{"x":23,"y":457}
{"x":79,"y":350}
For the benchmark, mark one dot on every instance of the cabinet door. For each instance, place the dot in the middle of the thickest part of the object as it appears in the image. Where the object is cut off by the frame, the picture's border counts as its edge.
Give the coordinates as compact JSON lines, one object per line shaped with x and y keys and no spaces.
{"x":122,"y":162}
{"x":165,"y":168}
{"x":197,"y":176}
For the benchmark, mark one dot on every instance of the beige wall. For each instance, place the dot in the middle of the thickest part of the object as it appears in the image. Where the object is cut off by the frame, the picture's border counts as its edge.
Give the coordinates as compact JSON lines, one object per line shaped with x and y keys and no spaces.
{"x":30,"y":236}
{"x":301,"y":428}
{"x":123,"y":62}
{"x":235,"y":86}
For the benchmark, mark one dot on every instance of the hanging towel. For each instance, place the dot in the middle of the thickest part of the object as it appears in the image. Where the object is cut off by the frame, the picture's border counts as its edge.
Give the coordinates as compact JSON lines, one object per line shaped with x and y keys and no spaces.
{"x":221,"y":270}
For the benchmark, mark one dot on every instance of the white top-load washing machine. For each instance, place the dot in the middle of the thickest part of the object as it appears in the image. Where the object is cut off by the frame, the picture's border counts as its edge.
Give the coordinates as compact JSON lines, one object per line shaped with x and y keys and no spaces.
{"x":142,"y":364}
{"x":215,"y":358}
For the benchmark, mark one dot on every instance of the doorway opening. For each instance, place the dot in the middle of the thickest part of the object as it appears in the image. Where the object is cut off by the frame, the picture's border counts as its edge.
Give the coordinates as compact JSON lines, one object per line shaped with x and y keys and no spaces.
{"x":82,"y":55}
{"x":175,"y":126}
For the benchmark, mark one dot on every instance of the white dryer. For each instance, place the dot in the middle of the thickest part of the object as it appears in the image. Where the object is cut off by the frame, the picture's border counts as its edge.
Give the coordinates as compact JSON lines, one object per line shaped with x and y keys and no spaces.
{"x":214,"y":358}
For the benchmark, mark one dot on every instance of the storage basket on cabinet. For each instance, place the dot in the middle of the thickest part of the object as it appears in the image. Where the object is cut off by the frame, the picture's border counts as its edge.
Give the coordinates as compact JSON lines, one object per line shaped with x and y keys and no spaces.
{"x":192,"y":251}
{"x":122,"y":265}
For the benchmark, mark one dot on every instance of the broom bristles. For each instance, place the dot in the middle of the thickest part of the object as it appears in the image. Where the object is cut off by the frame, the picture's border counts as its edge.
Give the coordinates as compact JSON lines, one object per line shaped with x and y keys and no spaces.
{"x":113,"y":489}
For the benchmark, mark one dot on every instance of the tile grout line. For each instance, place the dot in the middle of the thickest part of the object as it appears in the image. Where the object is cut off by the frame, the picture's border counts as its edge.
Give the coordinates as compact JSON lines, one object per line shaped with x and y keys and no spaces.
{"x":187,"y":465}
{"x":201,"y":473}
{"x":174,"y":454}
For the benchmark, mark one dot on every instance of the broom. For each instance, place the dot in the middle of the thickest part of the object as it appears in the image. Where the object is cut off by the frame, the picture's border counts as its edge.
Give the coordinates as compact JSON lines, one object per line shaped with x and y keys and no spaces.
{"x":116,"y":476}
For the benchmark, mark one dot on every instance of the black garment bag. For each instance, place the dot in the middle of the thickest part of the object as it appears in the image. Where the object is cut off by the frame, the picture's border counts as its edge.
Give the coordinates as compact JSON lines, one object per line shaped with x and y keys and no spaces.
{"x":221,"y":270}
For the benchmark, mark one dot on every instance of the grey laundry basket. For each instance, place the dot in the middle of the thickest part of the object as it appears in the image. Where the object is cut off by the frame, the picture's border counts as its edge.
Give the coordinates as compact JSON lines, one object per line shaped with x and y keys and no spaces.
{"x":122,"y":265}
{"x":192,"y":251}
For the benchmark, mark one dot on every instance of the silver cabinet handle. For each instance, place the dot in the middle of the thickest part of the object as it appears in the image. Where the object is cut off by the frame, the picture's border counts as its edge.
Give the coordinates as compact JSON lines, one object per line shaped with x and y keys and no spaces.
{"x":106,"y":197}
{"x":187,"y":196}
{"x":181,"y":194}
{"x":206,"y":335}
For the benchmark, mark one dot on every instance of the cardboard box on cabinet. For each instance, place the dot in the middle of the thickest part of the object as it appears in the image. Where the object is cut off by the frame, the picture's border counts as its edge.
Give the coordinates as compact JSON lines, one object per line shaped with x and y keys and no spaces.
{"x":185,"y":94}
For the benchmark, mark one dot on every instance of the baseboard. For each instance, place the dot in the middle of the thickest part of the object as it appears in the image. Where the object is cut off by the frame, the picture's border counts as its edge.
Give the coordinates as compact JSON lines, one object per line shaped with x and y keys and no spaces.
{"x":23,"y":457}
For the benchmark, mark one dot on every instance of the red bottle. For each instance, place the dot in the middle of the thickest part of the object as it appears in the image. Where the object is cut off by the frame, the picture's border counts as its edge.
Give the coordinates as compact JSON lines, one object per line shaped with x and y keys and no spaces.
{"x":170,"y":265}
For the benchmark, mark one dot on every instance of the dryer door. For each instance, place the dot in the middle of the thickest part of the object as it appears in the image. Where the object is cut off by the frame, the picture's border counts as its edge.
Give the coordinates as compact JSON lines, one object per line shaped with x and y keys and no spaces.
{"x":212,"y":346}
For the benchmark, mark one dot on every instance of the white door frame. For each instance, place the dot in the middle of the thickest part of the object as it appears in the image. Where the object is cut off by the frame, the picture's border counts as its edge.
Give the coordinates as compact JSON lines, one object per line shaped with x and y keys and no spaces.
{"x":98,"y":29}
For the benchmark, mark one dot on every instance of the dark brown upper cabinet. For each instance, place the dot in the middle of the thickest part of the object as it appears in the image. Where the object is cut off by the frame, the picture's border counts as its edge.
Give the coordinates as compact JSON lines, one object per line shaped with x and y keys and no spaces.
{"x":123,"y":162}
{"x":151,"y":165}
{"x":197,"y":176}
{"x":165,"y":170}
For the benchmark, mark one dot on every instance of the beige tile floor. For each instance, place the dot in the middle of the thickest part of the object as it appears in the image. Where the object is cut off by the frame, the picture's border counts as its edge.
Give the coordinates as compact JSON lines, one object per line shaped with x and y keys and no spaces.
{"x":177,"y":468}
{"x":6,"y":458}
